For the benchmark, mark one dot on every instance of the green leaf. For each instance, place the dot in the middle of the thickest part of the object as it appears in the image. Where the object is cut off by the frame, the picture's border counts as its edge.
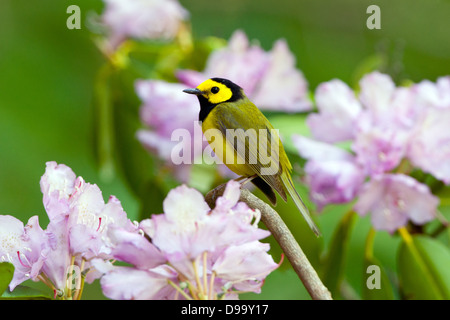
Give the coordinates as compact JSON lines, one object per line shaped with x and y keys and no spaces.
{"x":375,"y":274}
{"x":334,"y":263}
{"x":25,"y":293}
{"x":424,"y":268}
{"x":6,"y":275}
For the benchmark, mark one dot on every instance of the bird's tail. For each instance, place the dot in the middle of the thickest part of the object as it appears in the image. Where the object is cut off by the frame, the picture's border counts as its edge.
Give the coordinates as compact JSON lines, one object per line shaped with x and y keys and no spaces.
{"x":287,"y":181}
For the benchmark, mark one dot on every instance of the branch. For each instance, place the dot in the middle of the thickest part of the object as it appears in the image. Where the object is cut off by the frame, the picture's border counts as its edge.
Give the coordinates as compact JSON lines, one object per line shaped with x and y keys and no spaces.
{"x":284,"y":237}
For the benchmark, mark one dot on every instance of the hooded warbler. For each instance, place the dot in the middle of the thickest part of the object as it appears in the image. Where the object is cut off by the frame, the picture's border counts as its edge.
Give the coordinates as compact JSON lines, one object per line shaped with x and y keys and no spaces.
{"x":244,"y":139}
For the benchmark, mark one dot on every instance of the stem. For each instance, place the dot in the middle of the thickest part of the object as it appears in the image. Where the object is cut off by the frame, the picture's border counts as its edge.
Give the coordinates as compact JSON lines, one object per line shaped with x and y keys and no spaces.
{"x":184,"y":294}
{"x":79,"y":292}
{"x":43,"y":278}
{"x":406,"y":236}
{"x":69,"y":290}
{"x":211,"y":294}
{"x":197,"y":281}
{"x":205,"y":281}
{"x":285,"y":239}
{"x":190,"y":287}
{"x":192,"y":290}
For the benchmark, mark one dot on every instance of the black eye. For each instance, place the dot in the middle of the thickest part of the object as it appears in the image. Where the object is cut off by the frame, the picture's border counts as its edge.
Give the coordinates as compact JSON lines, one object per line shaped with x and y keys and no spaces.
{"x":214,"y":90}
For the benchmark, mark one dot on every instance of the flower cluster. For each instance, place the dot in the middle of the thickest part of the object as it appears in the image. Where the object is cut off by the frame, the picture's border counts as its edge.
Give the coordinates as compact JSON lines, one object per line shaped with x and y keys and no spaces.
{"x":391,"y":130}
{"x":261,"y":74}
{"x":154,"y":19}
{"x":190,"y":251}
{"x":76,"y":234}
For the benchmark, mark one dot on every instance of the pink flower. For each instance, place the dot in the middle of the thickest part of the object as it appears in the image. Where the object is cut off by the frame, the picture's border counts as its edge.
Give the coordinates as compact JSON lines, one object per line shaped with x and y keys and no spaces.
{"x":194,"y":252}
{"x":282,"y":76}
{"x":374,"y":121}
{"x":262,"y":75}
{"x":378,"y":147}
{"x":333,"y":181}
{"x":147,"y":279}
{"x":57,"y":184}
{"x":429,"y":147}
{"x":380,"y":143}
{"x":24,"y":247}
{"x":393,"y":199}
{"x":429,"y":94}
{"x":83,"y":209}
{"x":185,"y":215}
{"x":135,"y":249}
{"x":245,"y":265}
{"x":58,"y":257}
{"x":143,"y":19}
{"x":228,"y":63}
{"x":338,"y":110}
{"x":385,"y":124}
{"x":332,"y":173}
{"x":77,"y":232}
{"x":377,"y":92}
{"x":90,"y":218}
{"x":140,"y":284}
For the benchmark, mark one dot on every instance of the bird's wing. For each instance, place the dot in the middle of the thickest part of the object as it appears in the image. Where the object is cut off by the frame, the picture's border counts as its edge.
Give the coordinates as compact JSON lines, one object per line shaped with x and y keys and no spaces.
{"x":253,"y":147}
{"x":254,"y":140}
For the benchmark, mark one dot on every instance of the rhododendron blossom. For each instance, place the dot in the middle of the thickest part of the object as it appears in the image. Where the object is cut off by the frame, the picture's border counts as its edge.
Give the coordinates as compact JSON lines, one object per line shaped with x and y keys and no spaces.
{"x":194,"y":252}
{"x":142,"y":19}
{"x":386,"y":126}
{"x":77,"y":233}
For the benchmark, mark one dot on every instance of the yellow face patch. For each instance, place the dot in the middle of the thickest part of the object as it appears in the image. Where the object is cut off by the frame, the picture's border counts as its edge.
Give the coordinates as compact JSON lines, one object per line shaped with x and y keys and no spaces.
{"x":215,"y":92}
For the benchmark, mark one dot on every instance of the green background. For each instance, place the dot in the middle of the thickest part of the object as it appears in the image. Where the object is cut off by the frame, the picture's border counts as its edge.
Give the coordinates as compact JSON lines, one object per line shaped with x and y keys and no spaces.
{"x":47,"y":75}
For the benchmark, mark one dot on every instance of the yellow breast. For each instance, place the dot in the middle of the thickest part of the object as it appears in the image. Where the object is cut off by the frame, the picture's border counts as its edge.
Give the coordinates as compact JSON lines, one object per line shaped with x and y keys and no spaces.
{"x":222,"y":148}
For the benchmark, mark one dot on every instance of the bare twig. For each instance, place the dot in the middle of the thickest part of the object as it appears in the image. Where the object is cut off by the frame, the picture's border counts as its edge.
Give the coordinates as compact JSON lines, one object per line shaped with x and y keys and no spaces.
{"x":285,"y":239}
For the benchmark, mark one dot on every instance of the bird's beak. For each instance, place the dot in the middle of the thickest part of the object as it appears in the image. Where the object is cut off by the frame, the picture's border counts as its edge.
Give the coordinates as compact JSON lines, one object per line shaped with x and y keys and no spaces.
{"x":193,"y":91}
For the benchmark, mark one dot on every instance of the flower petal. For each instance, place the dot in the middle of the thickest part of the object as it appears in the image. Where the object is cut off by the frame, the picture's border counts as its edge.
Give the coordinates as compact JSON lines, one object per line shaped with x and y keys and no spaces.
{"x":333,"y":182}
{"x":135,"y":249}
{"x":429,"y":147}
{"x":393,"y":199}
{"x":377,"y":90}
{"x":379,"y":149}
{"x":184,"y":206}
{"x":338,"y":109}
{"x":316,"y":150}
{"x":283,"y":86}
{"x":124,"y":283}
{"x":249,"y":261}
{"x":57,"y":184}
{"x":142,"y":19}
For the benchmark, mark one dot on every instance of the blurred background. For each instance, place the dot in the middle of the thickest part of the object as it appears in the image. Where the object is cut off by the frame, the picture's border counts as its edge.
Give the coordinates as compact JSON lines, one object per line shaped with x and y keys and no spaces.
{"x":48,"y":72}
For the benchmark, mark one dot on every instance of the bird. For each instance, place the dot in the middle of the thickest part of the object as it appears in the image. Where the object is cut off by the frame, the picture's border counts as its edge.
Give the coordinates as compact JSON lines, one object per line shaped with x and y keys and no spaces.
{"x":240,"y":135}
